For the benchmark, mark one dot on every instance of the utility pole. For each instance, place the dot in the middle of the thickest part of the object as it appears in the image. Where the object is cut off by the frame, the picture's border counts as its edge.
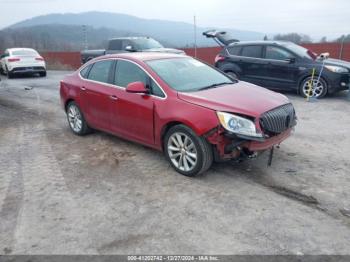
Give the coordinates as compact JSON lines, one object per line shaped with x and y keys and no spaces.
{"x":341,"y":47}
{"x":195,"y":35}
{"x":85,"y":43}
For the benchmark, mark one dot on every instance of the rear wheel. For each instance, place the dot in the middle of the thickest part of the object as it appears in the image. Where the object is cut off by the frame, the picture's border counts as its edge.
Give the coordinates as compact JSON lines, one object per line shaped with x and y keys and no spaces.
{"x":42,"y":74}
{"x":188,"y":153}
{"x":76,"y":120}
{"x":315,"y":88}
{"x":10,"y":75}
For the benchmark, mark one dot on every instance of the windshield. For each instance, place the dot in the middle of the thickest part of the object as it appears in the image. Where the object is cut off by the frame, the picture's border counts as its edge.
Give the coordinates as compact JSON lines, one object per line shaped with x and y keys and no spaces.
{"x":146,"y":43}
{"x":300,"y":51}
{"x":188,"y":74}
{"x":24,"y":53}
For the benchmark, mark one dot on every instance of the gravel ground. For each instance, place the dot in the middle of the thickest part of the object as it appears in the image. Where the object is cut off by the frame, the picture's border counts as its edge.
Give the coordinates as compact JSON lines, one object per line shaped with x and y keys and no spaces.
{"x":64,"y":194}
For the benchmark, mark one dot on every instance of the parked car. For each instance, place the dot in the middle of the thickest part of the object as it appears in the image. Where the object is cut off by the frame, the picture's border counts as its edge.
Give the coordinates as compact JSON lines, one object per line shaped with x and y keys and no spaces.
{"x":128,"y":44}
{"x":280,"y":65}
{"x":16,"y":61}
{"x":176,"y":104}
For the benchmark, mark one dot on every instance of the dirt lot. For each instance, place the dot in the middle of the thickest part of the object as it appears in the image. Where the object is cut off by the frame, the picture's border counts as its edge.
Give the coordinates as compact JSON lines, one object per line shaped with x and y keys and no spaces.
{"x":63,"y":194}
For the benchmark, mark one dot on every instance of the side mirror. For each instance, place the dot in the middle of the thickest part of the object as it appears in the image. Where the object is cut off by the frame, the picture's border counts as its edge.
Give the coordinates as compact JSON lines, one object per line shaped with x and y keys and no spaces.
{"x":129,"y":48}
{"x":290,"y":60}
{"x":136,"y":87}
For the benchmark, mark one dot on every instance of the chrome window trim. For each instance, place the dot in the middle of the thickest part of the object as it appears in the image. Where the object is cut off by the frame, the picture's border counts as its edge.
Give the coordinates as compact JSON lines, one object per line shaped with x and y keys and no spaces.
{"x":120,"y":87}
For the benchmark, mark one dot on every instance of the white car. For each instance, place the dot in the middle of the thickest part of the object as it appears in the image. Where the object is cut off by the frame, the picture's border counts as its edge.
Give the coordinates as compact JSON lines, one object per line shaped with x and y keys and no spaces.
{"x":22,"y":61}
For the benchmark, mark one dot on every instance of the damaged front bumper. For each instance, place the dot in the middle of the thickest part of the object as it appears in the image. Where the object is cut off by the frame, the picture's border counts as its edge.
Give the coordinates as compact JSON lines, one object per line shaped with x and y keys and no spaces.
{"x":230,"y":146}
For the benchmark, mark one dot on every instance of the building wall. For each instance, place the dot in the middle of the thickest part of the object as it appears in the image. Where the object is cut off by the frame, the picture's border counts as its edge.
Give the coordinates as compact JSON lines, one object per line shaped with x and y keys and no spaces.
{"x":207,"y":54}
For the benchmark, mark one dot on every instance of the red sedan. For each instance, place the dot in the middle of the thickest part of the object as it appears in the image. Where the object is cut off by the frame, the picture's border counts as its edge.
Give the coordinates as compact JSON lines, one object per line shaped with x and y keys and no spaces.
{"x":176,"y":104}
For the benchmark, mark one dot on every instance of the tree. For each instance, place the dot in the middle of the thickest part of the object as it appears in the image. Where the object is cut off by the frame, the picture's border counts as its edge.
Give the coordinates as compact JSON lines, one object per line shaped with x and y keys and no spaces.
{"x":323,"y":39}
{"x":266,"y":38}
{"x":293,"y":37}
{"x":346,"y":39}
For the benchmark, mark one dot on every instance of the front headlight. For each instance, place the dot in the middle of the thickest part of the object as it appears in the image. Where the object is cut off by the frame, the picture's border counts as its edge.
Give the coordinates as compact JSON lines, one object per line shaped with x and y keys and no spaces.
{"x":337,"y":69}
{"x":238,"y":125}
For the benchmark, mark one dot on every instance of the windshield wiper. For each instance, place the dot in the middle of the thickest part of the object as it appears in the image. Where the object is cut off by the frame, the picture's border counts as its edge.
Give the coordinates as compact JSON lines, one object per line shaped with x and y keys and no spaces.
{"x":215,"y":85}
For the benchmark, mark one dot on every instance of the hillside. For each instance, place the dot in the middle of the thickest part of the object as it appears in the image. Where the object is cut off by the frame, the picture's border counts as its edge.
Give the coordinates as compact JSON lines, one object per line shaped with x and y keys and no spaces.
{"x":176,"y":34}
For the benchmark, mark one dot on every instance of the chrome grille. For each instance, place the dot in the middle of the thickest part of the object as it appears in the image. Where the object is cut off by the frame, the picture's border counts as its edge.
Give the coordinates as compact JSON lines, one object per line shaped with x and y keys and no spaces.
{"x":278,"y":119}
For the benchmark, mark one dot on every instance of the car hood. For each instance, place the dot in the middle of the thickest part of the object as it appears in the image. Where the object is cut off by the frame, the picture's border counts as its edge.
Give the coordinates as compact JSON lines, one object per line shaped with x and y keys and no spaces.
{"x":337,"y":62}
{"x":242,"y":98}
{"x":165,"y":50}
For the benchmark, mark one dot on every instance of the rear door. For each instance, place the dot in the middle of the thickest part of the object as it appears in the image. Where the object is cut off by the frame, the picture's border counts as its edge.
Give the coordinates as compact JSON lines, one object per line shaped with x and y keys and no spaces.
{"x":96,"y":92}
{"x":281,"y":68}
{"x":252,"y":64}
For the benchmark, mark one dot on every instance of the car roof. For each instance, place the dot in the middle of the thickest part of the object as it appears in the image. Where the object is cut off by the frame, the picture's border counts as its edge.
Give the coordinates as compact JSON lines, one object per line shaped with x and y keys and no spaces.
{"x":131,"y":38}
{"x":143,"y":56}
{"x":18,"y":49}
{"x":260,"y":42}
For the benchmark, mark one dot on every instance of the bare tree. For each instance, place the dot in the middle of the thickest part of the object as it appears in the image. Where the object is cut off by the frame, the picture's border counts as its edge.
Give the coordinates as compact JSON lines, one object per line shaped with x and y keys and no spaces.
{"x":293,"y":37}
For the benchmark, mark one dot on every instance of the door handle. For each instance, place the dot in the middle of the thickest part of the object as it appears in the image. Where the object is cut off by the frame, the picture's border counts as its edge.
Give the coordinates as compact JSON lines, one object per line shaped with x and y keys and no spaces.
{"x":83,"y":88}
{"x":113,"y":97}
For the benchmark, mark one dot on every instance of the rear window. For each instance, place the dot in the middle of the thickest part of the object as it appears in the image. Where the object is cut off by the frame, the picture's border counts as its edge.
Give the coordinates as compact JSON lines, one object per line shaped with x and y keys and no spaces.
{"x":100,"y":71}
{"x":252,"y":51}
{"x":24,"y":53}
{"x":234,"y":50}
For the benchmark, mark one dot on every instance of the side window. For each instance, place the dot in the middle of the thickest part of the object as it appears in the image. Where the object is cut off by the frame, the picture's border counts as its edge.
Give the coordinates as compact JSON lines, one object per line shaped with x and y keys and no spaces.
{"x":252,"y":51}
{"x":234,"y":50}
{"x":127,"y":72}
{"x":100,"y":71}
{"x":125,"y":44}
{"x":115,"y":44}
{"x":84,"y":72}
{"x":155,"y":89}
{"x":276,"y":53}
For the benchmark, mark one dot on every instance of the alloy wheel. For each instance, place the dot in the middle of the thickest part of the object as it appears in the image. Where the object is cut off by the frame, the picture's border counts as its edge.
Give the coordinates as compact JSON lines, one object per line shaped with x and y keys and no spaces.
{"x":314,"y":89}
{"x":74,"y":118}
{"x":182,"y":151}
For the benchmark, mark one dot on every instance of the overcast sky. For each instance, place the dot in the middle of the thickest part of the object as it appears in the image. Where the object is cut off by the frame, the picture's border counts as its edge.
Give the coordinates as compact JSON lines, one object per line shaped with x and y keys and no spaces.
{"x":314,"y":17}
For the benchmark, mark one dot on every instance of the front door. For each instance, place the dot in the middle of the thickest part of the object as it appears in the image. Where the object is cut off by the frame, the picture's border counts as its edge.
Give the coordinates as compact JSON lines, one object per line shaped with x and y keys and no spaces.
{"x":281,"y":69}
{"x":132,"y":114}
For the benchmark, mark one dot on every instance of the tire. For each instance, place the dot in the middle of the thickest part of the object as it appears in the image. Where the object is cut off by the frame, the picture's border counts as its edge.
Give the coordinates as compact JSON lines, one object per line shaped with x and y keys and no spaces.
{"x":182,"y":145}
{"x":10,"y":75}
{"x":42,"y":74}
{"x":321,"y":87}
{"x":232,"y":75}
{"x":74,"y":117}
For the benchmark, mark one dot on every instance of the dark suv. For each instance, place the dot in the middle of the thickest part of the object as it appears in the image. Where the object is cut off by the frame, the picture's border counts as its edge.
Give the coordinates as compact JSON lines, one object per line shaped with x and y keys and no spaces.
{"x":281,"y":65}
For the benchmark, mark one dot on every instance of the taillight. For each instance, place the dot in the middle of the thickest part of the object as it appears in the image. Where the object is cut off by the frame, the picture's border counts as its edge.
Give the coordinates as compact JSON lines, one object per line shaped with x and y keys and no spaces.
{"x":39,"y":59}
{"x":14,"y":59}
{"x":219,"y":58}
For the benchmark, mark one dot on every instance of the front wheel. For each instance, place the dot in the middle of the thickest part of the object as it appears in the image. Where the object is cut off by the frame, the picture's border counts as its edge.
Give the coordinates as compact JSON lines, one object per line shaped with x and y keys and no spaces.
{"x":76,"y":120}
{"x":189,"y":154}
{"x":315,"y":88}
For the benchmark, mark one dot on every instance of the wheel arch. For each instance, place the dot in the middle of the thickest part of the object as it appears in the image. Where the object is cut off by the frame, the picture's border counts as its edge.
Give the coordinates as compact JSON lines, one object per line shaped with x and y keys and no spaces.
{"x":302,"y":78}
{"x":230,"y":67}
{"x":166,"y":127}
